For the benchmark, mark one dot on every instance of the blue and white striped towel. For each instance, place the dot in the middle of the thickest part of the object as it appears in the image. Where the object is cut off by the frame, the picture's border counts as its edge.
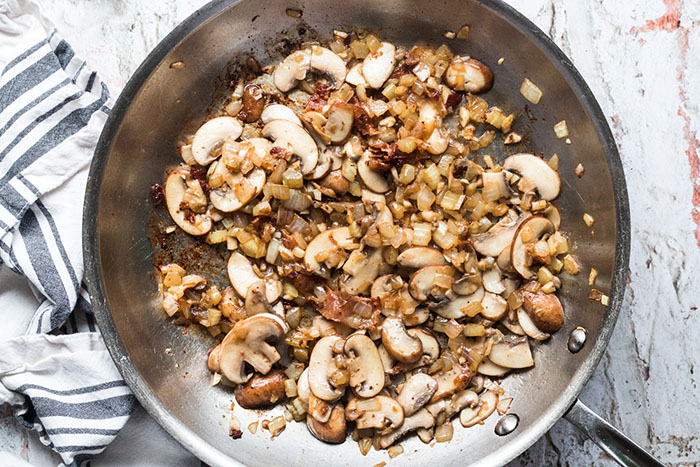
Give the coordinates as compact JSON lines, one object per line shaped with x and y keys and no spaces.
{"x":58,"y":376}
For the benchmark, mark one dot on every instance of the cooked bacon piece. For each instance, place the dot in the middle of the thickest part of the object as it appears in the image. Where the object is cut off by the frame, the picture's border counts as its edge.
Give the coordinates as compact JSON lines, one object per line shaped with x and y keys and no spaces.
{"x":350,"y":310}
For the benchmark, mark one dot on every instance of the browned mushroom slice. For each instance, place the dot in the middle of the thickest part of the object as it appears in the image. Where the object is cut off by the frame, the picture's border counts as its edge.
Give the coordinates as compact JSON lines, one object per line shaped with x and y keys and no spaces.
{"x":494,"y":306}
{"x":324,"y":245}
{"x":248,"y":342}
{"x":528,"y":326}
{"x":262,"y":390}
{"x":176,"y":189}
{"x":451,"y":381}
{"x":420,"y":256}
{"x":365,"y":366}
{"x":242,"y":277}
{"x":430,"y":346}
{"x":377,"y":67}
{"x":431,"y":281}
{"x":531,"y":230}
{"x":291,"y":136}
{"x":400,"y":345}
{"x":470,"y":416}
{"x":211,"y":134}
{"x":468,"y":74}
{"x":498,"y":237}
{"x":545,"y":310}
{"x":416,"y":392}
{"x":535,"y":174}
{"x":372,"y":179}
{"x":454,"y":306}
{"x":488,"y":368}
{"x":420,"y":419}
{"x":361,"y":270}
{"x":512,"y":353}
{"x":321,"y":367}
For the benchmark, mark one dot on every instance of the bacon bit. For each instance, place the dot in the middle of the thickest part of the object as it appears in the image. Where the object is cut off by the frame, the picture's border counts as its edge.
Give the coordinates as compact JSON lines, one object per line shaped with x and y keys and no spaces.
{"x":319,"y":99}
{"x":305,"y":283}
{"x":400,"y":70}
{"x":340,"y":307}
{"x":235,"y":434}
{"x":157,"y":195}
{"x":389,"y":156}
{"x":198,"y":174}
{"x":362,"y":122}
{"x":412,"y":59}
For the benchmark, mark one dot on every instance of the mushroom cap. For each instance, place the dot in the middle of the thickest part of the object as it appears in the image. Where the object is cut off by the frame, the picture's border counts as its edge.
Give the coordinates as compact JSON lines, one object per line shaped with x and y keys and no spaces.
{"x":468,"y":74}
{"x":534,"y":173}
{"x":512,"y":353}
{"x":175,"y":188}
{"x":242,"y":277}
{"x":500,"y":236}
{"x":400,"y":345}
{"x":372,"y":179}
{"x":333,"y":431}
{"x":212,"y":133}
{"x":327,"y":241}
{"x":544,"y":310}
{"x":416,"y":392}
{"x":366,"y":369}
{"x":380,"y":412}
{"x":262,"y":390}
{"x":279,"y":112}
{"x":518,"y":250}
{"x":290,"y":135}
{"x":248,"y":342}
{"x":321,"y":366}
{"x":378,"y":66}
{"x":327,"y":62}
{"x":292,"y":70}
{"x":421,"y":256}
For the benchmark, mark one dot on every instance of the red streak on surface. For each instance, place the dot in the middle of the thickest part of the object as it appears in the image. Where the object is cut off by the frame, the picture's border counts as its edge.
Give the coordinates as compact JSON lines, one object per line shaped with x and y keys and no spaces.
{"x":668,"y":22}
{"x":671,"y":21}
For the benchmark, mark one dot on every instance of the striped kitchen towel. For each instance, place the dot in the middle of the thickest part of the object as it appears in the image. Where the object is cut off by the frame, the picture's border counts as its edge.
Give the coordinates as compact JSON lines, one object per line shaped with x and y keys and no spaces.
{"x":58,"y":376}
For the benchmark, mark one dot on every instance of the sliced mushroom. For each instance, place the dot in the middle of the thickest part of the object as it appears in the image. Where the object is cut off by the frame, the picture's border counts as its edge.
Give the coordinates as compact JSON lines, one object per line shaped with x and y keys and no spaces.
{"x":545,"y":310}
{"x":239,"y":188}
{"x":468,"y":74}
{"x":425,"y":282}
{"x":452,"y":381}
{"x":421,"y":256}
{"x":534,"y":173}
{"x":452,"y":309}
{"x":470,"y":416}
{"x":488,"y":368}
{"x":437,"y":142}
{"x":336,"y":182}
{"x":211,"y":134}
{"x":529,"y":327}
{"x":378,"y":66}
{"x":328,"y":242}
{"x":493,"y":281}
{"x":303,"y":390}
{"x":367,"y":271}
{"x":242,"y":277}
{"x":497,"y":238}
{"x":279,"y":112}
{"x":333,"y":431}
{"x":428,"y":116}
{"x":319,"y":409}
{"x":429,"y":344}
{"x":552,"y":213}
{"x":339,"y":122}
{"x":420,"y":419}
{"x":321,"y":367}
{"x":372,"y":179}
{"x":365,"y":366}
{"x":290,"y":135}
{"x":248,"y":342}
{"x":292,"y":70}
{"x":256,"y":299}
{"x":328,"y":63}
{"x":416,"y":392}
{"x":503,"y":260}
{"x":519,"y":257}
{"x":512,"y":353}
{"x":323,"y":166}
{"x":355,"y":76}
{"x":400,"y":345}
{"x":515,"y":328}
{"x":388,"y":362}
{"x":495,"y":306}
{"x":262,"y":390}
{"x":462,"y":399}
{"x":380,"y":412}
{"x":175,"y":190}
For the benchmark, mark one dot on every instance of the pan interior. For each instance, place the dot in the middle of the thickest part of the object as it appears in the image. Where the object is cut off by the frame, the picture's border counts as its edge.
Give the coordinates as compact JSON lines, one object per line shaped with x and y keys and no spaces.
{"x":139,"y":144}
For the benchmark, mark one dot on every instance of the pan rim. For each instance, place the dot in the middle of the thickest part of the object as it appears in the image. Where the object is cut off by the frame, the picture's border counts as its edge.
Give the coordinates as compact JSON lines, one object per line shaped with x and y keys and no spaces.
{"x":190,"y":440}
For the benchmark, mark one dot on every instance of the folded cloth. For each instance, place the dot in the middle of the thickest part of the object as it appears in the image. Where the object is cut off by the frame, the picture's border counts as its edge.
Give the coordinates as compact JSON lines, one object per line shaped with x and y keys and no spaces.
{"x":58,"y":377}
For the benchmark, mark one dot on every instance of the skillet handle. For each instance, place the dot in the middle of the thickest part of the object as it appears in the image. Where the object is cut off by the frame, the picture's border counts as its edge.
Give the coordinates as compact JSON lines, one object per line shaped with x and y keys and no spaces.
{"x":625,"y":451}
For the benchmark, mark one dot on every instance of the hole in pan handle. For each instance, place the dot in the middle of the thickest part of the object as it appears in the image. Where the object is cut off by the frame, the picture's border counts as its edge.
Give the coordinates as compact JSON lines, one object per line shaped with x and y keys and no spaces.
{"x":611,"y":440}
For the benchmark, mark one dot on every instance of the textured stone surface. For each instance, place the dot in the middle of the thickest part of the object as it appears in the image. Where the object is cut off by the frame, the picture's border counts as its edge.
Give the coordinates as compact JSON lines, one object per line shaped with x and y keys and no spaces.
{"x":639,"y":58}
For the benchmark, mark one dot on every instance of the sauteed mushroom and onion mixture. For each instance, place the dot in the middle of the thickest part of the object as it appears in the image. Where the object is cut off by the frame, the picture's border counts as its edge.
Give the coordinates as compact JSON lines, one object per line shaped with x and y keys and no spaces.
{"x":383,"y":269}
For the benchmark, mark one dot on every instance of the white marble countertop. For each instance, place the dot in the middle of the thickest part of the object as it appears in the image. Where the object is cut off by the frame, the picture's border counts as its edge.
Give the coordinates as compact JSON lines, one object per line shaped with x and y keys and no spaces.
{"x":639,"y":58}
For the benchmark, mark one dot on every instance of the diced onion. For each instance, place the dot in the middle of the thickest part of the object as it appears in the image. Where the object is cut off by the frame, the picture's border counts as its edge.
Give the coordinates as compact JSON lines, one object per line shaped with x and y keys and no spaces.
{"x":530,"y":91}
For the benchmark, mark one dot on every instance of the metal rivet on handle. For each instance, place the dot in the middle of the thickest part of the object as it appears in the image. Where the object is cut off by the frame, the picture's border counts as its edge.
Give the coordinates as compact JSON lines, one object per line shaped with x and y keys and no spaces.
{"x":577,"y":339}
{"x":507,"y":424}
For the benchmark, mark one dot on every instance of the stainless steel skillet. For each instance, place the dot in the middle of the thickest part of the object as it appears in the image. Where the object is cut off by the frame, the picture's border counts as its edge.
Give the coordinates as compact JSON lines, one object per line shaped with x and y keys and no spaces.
{"x":137,"y":144}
